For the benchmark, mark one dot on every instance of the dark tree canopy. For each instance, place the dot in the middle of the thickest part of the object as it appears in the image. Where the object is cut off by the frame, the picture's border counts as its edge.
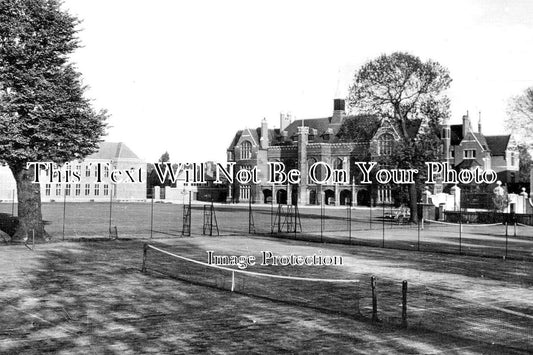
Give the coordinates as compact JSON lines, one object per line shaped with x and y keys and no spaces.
{"x":44,"y":115}
{"x":360,"y":128}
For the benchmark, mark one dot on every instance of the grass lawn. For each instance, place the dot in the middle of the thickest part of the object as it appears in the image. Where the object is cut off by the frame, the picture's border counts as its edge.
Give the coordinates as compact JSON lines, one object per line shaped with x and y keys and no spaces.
{"x":364,"y":227}
{"x":91,"y":297}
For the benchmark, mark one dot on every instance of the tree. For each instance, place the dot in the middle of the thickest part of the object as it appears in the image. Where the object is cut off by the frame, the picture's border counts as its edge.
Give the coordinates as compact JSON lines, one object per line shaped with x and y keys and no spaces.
{"x":525,"y":163}
{"x":520,"y":116}
{"x":44,"y":115}
{"x":360,"y":128}
{"x":410,"y":93}
{"x":165,"y":157}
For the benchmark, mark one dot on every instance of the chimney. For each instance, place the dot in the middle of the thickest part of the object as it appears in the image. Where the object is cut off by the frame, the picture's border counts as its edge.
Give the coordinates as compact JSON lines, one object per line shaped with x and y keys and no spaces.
{"x":284,"y":120}
{"x":338,"y":111}
{"x":479,"y":123}
{"x":264,"y":134}
{"x":466,"y":124}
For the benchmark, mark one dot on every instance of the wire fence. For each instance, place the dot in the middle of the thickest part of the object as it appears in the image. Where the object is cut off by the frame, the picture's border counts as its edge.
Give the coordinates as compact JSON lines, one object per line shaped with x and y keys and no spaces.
{"x":382,"y":226}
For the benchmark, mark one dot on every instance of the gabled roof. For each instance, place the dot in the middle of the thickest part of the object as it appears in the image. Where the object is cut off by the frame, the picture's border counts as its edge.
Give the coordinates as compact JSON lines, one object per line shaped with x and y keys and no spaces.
{"x":255,"y":134}
{"x":467,"y":164}
{"x":112,"y":150}
{"x":498,"y":144}
{"x":321,"y":125}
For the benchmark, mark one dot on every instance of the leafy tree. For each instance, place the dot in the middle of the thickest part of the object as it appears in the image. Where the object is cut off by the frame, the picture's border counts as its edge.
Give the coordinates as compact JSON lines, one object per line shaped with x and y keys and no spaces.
{"x":165,"y":157}
{"x":409,"y":92}
{"x":520,"y":116}
{"x":360,"y":128}
{"x":44,"y":115}
{"x":525,"y":163}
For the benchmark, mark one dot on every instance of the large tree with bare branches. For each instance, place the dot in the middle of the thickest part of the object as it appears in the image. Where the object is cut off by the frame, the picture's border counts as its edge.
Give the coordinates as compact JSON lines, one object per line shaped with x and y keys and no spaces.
{"x":410,"y":93}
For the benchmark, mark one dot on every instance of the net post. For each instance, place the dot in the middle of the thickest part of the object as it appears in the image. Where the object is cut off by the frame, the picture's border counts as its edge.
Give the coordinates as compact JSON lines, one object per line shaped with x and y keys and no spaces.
{"x":506,"y":240}
{"x":145,"y":251}
{"x":232,"y":281}
{"x":374,"y":299}
{"x":404,"y":304}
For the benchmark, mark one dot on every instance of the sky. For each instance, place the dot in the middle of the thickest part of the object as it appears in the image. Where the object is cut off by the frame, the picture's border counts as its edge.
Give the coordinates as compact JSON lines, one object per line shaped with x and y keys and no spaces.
{"x":184,"y":76}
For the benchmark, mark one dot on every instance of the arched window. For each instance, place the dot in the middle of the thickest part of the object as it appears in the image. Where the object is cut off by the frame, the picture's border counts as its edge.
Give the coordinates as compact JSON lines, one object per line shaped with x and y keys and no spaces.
{"x":338,"y":163}
{"x":385,"y":144}
{"x":246,"y":150}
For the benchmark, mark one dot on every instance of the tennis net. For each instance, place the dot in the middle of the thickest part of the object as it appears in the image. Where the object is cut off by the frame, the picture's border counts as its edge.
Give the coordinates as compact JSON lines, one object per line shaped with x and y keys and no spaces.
{"x":330,"y":295}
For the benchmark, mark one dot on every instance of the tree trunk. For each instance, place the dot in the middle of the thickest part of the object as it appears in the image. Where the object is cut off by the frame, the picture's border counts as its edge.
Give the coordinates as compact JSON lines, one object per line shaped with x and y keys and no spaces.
{"x":413,"y":206}
{"x":30,"y":218}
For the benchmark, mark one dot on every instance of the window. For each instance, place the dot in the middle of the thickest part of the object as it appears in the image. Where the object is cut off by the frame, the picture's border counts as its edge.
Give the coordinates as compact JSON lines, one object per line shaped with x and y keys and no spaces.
{"x":469,"y":154}
{"x":106,"y":190}
{"x":78,"y":189}
{"x":47,"y":190}
{"x":106,"y":171}
{"x":244,"y":192}
{"x":67,"y":190}
{"x":96,"y":189}
{"x":338,"y":163}
{"x":58,"y":189}
{"x":385,"y":144}
{"x":246,"y":150}
{"x":96,"y":171}
{"x":87,"y":171}
{"x":87,"y":189}
{"x":512,"y":159}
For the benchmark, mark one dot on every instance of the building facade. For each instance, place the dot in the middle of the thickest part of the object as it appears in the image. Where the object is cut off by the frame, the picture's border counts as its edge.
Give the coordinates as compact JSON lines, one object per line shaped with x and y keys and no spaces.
{"x":301,"y":143}
{"x":94,"y":181}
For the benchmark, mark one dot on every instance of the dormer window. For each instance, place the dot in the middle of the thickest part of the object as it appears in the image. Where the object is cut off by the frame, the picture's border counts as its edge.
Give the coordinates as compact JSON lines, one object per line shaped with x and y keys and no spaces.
{"x":469,"y":154}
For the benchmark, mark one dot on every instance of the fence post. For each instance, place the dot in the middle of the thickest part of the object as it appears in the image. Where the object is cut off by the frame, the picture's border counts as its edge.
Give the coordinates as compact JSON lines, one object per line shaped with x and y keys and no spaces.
{"x":152,"y":214}
{"x":64,"y":209}
{"x":383,"y":225}
{"x":460,"y":227}
{"x":418,"y":236}
{"x":374,"y":299}
{"x":404,"y":304}
{"x":145,"y":251}
{"x":13,"y":204}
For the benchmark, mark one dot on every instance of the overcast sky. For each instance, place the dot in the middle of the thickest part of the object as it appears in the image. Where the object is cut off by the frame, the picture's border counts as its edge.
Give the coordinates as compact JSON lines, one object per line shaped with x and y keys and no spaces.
{"x":183,"y":76}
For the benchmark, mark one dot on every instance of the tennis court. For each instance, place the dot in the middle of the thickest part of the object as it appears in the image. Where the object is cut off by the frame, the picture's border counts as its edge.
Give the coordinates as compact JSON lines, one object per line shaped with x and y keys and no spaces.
{"x":93,"y":297}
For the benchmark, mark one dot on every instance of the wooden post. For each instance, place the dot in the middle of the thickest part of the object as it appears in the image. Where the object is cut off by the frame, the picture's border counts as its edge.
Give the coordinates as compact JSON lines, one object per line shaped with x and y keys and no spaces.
{"x":145,"y":251}
{"x":64,"y":210}
{"x":506,"y":239}
{"x":418,"y":237}
{"x":152,"y":214}
{"x":404,"y":304}
{"x":232,"y":281}
{"x":383,"y":223}
{"x":374,"y":299}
